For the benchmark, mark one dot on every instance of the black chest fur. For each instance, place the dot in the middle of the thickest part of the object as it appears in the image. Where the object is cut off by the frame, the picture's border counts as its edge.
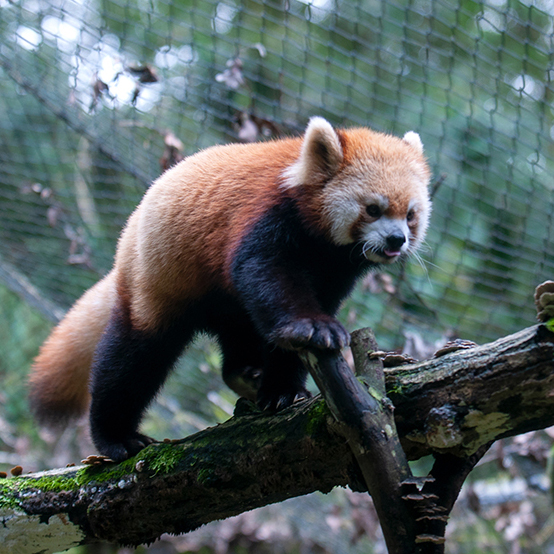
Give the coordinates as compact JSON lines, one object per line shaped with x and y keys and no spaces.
{"x":282,"y":249}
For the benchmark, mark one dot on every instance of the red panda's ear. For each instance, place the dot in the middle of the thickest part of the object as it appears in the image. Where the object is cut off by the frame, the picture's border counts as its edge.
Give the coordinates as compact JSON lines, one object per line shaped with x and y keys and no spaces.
{"x":320,"y":157}
{"x":413,"y":139}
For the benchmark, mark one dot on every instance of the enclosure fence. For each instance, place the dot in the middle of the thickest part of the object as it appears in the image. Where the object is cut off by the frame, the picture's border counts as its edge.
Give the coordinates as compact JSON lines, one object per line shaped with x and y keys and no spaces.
{"x":98,"y":97}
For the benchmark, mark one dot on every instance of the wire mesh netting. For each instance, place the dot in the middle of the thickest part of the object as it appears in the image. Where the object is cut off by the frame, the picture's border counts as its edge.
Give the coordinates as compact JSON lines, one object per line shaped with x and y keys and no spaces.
{"x":98,"y":97}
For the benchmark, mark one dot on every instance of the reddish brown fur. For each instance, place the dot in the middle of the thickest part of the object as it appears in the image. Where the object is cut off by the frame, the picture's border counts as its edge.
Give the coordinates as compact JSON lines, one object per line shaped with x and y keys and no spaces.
{"x":393,"y":169}
{"x":181,"y":240}
{"x":60,"y":375}
{"x":187,"y":250}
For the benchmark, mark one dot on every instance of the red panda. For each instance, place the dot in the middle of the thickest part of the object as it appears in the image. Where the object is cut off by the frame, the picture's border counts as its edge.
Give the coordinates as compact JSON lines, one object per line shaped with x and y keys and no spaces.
{"x":257,"y":244}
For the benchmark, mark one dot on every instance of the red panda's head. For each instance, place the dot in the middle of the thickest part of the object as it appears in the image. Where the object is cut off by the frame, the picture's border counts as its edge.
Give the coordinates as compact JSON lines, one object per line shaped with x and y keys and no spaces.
{"x":360,"y":186}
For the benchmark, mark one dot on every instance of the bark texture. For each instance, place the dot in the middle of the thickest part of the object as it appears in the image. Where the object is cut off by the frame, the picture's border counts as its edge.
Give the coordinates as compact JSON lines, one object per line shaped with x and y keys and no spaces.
{"x":453,"y":406}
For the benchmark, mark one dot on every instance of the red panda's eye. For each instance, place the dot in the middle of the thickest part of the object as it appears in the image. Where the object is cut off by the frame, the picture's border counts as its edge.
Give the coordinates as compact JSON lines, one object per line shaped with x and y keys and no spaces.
{"x":410,"y":216}
{"x":373,"y":210}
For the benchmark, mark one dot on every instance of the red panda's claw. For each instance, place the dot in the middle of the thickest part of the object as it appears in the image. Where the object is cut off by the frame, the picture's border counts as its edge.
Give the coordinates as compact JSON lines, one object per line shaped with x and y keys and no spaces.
{"x":302,"y":395}
{"x":277,"y":402}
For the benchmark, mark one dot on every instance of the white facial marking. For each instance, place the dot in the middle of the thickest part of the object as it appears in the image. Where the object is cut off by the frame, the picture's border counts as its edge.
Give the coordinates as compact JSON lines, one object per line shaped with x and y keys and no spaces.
{"x":422,"y":208}
{"x":385,"y":239}
{"x":379,"y":199}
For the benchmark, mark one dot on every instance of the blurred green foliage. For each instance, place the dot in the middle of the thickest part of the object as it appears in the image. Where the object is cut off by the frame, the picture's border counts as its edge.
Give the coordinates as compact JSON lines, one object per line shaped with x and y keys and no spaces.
{"x":83,"y":135}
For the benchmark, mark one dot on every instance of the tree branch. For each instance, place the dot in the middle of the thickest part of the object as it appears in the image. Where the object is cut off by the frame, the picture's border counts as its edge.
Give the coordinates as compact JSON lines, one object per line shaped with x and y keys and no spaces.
{"x":452,"y":406}
{"x":365,"y":418}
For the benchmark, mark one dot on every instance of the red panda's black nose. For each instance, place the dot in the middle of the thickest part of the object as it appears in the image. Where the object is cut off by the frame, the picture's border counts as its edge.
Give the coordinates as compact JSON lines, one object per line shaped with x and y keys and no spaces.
{"x":395,"y":241}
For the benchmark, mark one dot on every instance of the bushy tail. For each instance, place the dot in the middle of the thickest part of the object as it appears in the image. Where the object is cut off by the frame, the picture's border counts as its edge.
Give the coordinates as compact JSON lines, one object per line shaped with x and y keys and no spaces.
{"x":59,"y":380}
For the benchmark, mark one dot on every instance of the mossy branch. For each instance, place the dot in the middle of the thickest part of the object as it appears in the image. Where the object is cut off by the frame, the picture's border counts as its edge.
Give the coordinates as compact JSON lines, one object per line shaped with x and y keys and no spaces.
{"x":454,"y":405}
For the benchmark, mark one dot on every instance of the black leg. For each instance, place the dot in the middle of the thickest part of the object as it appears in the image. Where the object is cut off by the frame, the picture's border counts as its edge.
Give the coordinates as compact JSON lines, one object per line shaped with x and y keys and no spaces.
{"x":243,"y":359}
{"x":283,"y":379}
{"x":273,"y":377}
{"x":130,"y":367}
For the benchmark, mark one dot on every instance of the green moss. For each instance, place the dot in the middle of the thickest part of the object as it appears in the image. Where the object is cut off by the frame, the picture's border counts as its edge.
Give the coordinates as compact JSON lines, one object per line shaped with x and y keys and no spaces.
{"x":104,"y":473}
{"x":7,"y":499}
{"x":163,"y":458}
{"x":375,"y":393}
{"x":159,"y":458}
{"x":395,"y":389}
{"x":52,"y":484}
{"x":52,"y":481}
{"x":16,"y":487}
{"x":206,"y":476}
{"x":317,"y":416}
{"x":550,"y":325}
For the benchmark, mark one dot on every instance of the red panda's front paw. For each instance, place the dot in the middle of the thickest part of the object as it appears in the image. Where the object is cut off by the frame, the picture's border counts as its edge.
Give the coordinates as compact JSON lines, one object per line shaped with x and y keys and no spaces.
{"x":323,"y":332}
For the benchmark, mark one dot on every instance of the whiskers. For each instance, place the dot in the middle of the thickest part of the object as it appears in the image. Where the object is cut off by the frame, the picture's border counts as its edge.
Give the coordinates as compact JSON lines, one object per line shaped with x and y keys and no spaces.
{"x":423,"y":263}
{"x":373,"y":252}
{"x":369,"y":247}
